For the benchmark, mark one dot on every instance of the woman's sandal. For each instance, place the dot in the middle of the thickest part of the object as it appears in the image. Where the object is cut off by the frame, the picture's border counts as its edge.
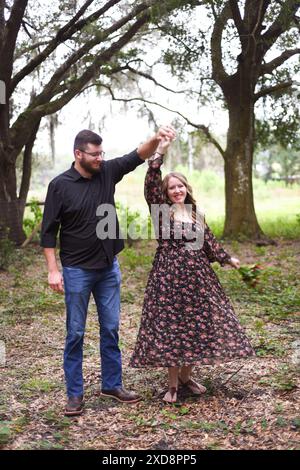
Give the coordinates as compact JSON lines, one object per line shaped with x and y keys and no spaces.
{"x":173,"y":392}
{"x":193,"y":387}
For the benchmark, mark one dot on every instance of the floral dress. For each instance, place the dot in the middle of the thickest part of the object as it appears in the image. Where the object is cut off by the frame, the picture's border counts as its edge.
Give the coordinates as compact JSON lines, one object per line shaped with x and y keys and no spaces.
{"x":187,"y":317}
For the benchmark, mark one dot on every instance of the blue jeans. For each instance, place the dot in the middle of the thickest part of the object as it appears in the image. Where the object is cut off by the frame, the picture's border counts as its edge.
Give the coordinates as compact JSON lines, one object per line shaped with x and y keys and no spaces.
{"x":104,"y":284}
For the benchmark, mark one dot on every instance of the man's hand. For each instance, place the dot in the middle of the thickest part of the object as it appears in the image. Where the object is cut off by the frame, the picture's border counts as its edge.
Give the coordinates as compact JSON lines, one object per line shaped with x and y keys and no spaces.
{"x":55,"y":281}
{"x":234,"y":262}
{"x":147,"y":149}
{"x":166,"y":133}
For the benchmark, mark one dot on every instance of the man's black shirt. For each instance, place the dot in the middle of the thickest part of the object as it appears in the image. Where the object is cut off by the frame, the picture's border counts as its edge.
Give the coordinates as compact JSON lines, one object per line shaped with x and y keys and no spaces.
{"x":71,"y":205}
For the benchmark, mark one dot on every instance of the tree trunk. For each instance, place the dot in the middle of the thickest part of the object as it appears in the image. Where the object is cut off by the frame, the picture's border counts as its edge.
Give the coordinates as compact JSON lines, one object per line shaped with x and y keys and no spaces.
{"x":11,"y":207}
{"x":190,"y":154}
{"x":53,"y":123}
{"x":12,"y":204}
{"x":11,"y":220}
{"x":240,"y":218}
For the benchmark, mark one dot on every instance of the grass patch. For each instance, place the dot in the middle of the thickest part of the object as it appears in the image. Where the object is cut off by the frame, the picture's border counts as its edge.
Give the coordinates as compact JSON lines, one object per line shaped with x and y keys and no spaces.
{"x":283,"y":380}
{"x":38,"y":385}
{"x":53,"y":418}
{"x":274,"y":226}
{"x":5,"y":432}
{"x":276,"y":296}
{"x":135,"y":258}
{"x":44,"y":444}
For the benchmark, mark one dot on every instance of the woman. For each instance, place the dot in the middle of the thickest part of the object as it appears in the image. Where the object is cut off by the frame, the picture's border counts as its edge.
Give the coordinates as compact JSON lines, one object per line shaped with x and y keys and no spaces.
{"x":187,"y":317}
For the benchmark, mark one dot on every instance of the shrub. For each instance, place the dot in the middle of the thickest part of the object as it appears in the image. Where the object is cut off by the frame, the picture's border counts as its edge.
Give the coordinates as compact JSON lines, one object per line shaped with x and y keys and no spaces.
{"x":29,"y":223}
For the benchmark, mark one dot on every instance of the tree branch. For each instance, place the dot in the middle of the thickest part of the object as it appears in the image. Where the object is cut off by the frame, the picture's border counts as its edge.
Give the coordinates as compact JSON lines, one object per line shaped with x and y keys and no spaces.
{"x":26,"y":25}
{"x":27,"y":120}
{"x":254,"y":14}
{"x":58,"y":76}
{"x":253,"y":21}
{"x":20,"y":52}
{"x":27,"y":159}
{"x":282,"y":23}
{"x":10,"y":37}
{"x":67,"y":85}
{"x":65,"y":33}
{"x":273,"y":89}
{"x":271,"y":66}
{"x":149,"y":77}
{"x":178,"y":39}
{"x":218,"y":71}
{"x":72,"y":22}
{"x":200,"y":127}
{"x":236,"y":15}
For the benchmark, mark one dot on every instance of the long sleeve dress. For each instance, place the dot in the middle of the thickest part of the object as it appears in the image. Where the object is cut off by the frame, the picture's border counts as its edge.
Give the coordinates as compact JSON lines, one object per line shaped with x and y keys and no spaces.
{"x":187,"y":317}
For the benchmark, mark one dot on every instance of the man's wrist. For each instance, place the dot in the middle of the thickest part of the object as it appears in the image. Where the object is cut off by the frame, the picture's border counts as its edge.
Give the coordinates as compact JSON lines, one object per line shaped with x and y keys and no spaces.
{"x":53,"y":271}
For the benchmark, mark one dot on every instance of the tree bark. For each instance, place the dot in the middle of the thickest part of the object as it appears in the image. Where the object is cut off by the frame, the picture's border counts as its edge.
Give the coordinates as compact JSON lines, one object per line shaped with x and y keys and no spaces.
{"x":11,"y":206}
{"x":240,"y":217}
{"x":27,"y":164}
{"x":11,"y":218}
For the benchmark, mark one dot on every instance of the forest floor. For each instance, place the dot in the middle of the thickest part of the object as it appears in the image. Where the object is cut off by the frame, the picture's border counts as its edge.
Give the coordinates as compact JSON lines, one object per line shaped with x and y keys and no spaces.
{"x":252,"y":404}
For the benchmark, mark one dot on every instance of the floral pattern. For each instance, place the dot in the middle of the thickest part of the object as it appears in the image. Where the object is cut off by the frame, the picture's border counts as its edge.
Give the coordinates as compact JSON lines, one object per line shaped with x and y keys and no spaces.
{"x":187,"y":317}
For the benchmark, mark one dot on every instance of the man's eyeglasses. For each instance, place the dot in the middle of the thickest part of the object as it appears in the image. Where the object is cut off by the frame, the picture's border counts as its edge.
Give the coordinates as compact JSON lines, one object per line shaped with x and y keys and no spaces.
{"x":94,"y":154}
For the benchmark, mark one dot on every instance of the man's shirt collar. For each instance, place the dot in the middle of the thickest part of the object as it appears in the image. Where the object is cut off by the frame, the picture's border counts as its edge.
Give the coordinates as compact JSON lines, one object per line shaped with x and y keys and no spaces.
{"x":75,"y":175}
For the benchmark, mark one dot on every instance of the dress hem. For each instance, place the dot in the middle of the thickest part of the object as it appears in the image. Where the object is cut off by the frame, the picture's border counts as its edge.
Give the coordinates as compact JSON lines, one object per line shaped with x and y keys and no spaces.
{"x":209,"y":362}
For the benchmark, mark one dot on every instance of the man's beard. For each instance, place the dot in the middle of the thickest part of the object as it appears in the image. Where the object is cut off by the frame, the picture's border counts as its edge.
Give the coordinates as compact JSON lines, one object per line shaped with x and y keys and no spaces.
{"x":87,"y":166}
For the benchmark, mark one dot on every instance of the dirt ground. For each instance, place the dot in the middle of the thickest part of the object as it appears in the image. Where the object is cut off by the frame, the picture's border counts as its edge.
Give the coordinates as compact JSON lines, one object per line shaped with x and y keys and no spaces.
{"x":252,"y":404}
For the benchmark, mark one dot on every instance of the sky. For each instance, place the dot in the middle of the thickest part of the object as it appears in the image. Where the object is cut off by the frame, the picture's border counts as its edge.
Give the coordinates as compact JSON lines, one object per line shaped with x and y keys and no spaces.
{"x":122,"y":130}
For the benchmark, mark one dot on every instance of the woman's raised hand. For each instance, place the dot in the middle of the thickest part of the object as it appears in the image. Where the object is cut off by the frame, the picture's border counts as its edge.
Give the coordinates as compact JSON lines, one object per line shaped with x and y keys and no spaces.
{"x":166,"y":135}
{"x":167,"y":132}
{"x":163,"y":145}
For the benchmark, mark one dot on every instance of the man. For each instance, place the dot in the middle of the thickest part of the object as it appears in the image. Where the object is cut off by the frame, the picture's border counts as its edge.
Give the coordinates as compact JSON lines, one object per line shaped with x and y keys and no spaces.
{"x":89,"y":263}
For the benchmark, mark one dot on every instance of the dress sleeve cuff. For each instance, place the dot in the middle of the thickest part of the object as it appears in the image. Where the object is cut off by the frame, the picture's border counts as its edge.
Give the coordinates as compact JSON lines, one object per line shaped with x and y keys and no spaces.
{"x":155,"y":162}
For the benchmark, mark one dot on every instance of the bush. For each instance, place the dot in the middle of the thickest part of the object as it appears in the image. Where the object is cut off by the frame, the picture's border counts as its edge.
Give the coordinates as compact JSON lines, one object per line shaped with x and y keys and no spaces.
{"x":29,"y":223}
{"x":133,"y":222}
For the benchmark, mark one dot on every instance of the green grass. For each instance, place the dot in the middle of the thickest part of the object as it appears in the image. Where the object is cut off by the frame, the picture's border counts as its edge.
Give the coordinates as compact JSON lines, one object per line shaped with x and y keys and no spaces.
{"x":38,"y":385}
{"x":5,"y":432}
{"x":10,"y":429}
{"x":275,"y":226}
{"x":283,"y":380}
{"x":276,"y":296}
{"x":53,"y":418}
{"x":134,"y":259}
